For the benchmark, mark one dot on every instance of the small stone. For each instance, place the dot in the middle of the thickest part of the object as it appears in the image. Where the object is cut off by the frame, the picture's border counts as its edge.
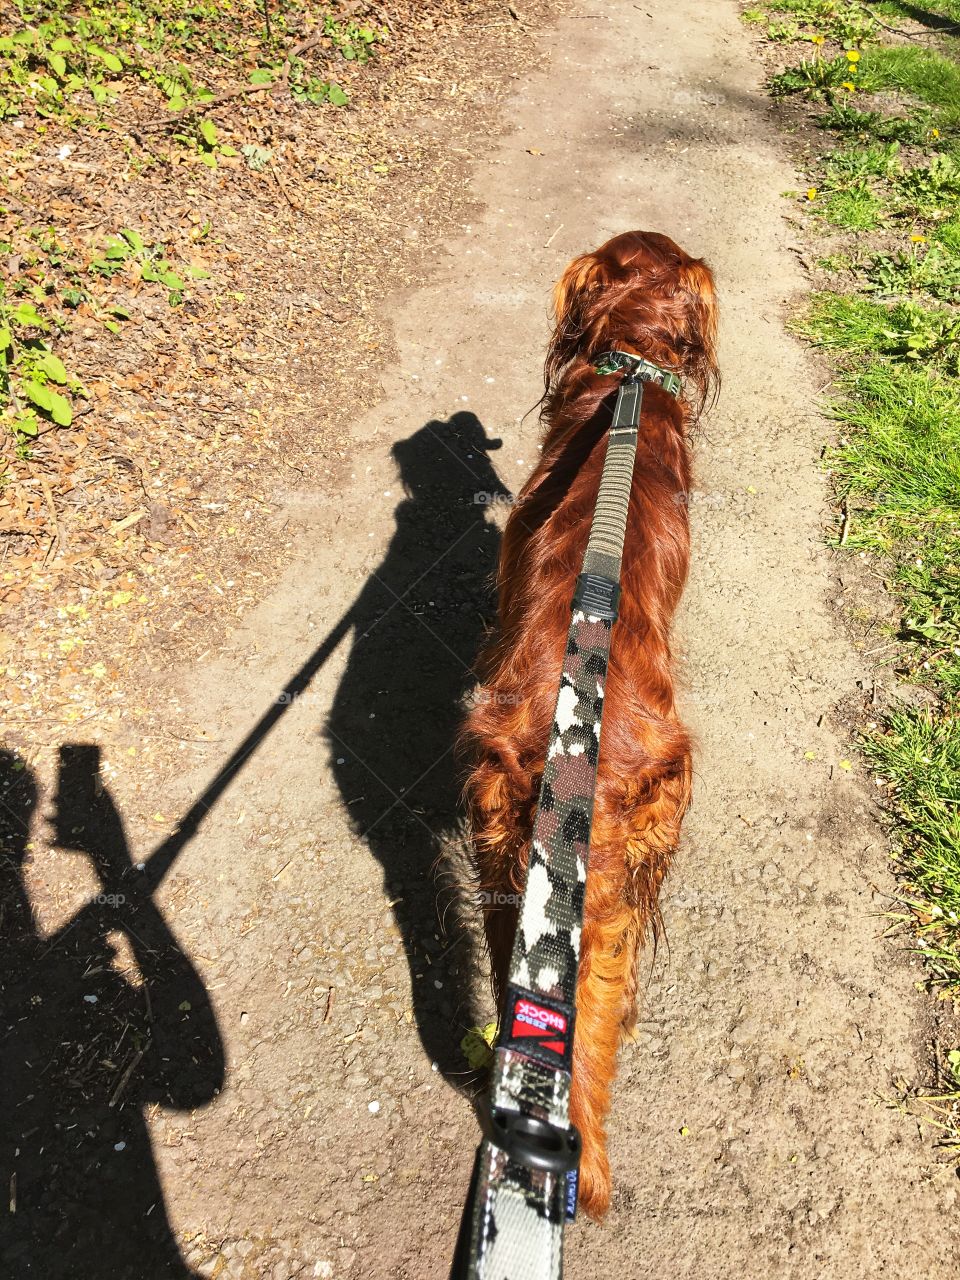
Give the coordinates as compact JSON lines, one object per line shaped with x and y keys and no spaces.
{"x":746,"y":1032}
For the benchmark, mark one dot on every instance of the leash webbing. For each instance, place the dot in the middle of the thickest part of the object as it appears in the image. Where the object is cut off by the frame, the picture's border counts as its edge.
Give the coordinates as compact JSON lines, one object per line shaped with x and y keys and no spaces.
{"x":524,"y":1183}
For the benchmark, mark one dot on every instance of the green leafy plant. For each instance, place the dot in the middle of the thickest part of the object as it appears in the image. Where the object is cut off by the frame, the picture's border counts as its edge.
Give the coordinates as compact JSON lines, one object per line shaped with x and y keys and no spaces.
{"x":844,"y":118}
{"x":203,"y":140}
{"x":837,"y":19}
{"x":934,"y":271}
{"x":813,"y":77}
{"x":353,"y":40}
{"x":880,"y":160}
{"x":34,"y":381}
{"x":256,"y":157}
{"x":783,"y":31}
{"x":928,"y":190}
{"x":130,"y":249}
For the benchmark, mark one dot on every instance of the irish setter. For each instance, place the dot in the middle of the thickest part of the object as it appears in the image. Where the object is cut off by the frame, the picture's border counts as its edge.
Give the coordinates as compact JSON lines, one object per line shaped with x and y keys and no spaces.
{"x":640,"y":293}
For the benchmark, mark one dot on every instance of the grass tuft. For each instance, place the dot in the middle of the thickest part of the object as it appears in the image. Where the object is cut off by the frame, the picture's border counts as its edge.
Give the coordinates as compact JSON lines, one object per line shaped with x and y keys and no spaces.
{"x":923,"y":73}
{"x":856,"y":208}
{"x":918,"y":758}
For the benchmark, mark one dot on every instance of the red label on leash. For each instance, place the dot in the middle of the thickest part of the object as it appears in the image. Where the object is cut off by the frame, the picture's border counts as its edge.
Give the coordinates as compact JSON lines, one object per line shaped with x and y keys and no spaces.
{"x":535,"y":1023}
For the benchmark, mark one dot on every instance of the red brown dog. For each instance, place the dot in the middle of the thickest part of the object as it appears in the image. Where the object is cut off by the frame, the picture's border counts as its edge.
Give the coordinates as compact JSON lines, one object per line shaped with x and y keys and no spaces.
{"x":642,"y":294}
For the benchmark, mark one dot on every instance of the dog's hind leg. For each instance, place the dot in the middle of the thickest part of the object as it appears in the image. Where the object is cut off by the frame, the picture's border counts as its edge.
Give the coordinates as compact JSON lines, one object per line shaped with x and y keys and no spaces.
{"x":499,"y":802}
{"x":608,"y":954}
{"x":628,"y":861}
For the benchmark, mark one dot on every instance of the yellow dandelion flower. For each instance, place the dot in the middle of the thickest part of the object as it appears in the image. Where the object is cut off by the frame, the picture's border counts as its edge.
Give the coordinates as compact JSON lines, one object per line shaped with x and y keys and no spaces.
{"x":934,"y":133}
{"x":848,"y":85}
{"x":918,"y":239}
{"x":816,"y":40}
{"x":852,"y":55}
{"x":811,"y":193}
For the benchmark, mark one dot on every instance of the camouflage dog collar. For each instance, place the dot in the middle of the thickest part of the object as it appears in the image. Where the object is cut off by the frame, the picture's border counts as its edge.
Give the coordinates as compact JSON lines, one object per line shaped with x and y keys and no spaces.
{"x":645,"y":370}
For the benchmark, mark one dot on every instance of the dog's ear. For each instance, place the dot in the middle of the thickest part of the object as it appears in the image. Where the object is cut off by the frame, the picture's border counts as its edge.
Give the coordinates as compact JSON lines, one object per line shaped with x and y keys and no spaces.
{"x":582,"y":277}
{"x":574,"y":306}
{"x":696,"y":281}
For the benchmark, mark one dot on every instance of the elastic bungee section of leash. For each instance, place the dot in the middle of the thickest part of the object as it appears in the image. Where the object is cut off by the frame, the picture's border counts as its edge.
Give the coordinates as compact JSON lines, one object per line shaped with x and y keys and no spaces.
{"x":524,"y":1185}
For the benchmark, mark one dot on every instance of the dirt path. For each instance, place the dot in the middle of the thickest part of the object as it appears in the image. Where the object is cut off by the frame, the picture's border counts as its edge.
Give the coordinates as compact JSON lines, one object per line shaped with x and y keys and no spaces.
{"x":747,"y":1138}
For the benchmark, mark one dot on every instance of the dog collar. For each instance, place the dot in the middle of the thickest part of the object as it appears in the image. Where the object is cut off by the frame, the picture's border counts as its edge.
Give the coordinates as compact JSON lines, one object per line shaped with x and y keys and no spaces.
{"x":645,"y":370}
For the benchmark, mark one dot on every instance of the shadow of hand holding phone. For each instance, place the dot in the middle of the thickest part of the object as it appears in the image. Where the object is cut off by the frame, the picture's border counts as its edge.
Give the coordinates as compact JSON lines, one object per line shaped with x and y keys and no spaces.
{"x":97,"y":1022}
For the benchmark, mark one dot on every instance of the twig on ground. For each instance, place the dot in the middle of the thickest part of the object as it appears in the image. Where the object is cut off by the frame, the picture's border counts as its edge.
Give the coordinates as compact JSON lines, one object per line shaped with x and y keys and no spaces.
{"x":297,"y":208}
{"x":125,"y":1078}
{"x":57,"y":538}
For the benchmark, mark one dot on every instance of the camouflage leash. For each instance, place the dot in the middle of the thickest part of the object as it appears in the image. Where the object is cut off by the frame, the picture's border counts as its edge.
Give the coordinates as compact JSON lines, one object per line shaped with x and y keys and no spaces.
{"x":525,"y":1177}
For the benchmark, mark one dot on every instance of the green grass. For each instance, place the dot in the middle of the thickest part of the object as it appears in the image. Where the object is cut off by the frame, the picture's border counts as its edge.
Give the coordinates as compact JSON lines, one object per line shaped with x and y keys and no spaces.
{"x":902,"y":456}
{"x":918,"y":757}
{"x":948,"y":232}
{"x":896,"y":469}
{"x":923,"y":73}
{"x":856,"y":208}
{"x":905,"y":331}
{"x":949,"y":9}
{"x":920,"y":271}
{"x":850,"y":121}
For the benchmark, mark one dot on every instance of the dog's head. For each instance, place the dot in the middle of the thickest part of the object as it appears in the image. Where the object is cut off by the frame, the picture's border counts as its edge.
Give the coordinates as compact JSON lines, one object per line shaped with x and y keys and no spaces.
{"x":642,"y":293}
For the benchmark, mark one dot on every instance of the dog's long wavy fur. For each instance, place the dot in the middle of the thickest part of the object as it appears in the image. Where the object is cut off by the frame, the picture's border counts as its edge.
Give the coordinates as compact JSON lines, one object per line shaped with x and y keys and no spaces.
{"x":639,"y":292}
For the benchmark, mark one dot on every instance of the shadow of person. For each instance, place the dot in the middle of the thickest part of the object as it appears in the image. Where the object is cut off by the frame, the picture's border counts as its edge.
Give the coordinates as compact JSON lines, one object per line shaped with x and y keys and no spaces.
{"x":417,"y":626}
{"x":84,"y":1047}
